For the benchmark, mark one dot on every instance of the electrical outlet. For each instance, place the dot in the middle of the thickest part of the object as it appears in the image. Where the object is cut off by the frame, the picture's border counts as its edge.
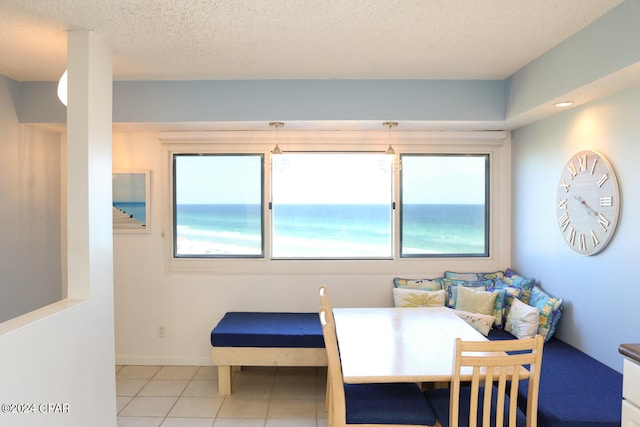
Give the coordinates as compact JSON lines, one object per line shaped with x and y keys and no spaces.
{"x":162,"y":332}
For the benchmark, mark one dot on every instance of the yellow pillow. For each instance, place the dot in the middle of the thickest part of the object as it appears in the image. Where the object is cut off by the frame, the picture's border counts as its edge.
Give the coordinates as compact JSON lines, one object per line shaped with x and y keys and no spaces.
{"x":473,"y":301}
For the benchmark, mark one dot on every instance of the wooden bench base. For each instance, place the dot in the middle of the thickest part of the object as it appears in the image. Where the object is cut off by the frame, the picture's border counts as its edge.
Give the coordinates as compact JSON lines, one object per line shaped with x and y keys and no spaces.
{"x":227,"y":357}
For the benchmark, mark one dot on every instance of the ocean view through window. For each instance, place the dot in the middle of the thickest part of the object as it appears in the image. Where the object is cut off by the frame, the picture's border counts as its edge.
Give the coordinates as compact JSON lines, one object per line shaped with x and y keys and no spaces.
{"x":218,"y":205}
{"x":330,"y":205}
{"x":444,"y":201}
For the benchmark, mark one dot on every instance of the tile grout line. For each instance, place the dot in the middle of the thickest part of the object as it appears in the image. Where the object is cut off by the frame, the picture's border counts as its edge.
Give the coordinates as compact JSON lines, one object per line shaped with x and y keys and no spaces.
{"x":315,"y":383}
{"x":179,"y":396}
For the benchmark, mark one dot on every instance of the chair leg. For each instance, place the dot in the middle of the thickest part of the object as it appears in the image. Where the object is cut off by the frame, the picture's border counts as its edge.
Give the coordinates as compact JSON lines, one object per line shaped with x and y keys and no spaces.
{"x":330,"y":421}
{"x":327,"y":393}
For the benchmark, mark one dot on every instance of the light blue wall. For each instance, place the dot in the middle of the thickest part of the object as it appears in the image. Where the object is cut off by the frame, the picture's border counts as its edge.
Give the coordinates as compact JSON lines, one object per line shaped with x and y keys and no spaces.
{"x":30,"y":239}
{"x":601,"y":291}
{"x":289,"y":100}
{"x":292,"y":100}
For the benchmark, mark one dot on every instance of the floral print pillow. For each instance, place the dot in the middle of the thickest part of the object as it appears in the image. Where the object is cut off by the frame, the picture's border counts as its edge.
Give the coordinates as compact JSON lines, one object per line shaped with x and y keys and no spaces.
{"x":418,"y":298}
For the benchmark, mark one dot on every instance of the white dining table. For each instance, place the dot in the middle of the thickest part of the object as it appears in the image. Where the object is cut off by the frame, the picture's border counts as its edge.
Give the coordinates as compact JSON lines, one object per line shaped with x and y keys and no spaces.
{"x":399,"y":344}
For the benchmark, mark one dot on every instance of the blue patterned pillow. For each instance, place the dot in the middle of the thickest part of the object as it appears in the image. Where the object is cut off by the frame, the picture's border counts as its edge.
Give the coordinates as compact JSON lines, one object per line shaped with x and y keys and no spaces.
{"x":474,"y":276}
{"x":498,"y":311}
{"x":510,"y":293}
{"x":526,"y":285}
{"x":420,"y":284}
{"x":451,"y":286}
{"x":550,"y":310}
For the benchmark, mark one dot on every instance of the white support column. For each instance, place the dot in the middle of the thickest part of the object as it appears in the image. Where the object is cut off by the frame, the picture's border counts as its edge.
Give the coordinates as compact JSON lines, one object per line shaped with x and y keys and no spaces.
{"x":90,"y":242}
{"x":89,"y":220}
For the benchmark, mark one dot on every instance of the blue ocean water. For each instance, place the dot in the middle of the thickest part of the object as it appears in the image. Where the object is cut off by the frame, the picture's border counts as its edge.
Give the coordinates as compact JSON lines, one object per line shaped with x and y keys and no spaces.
{"x":323,"y":231}
{"x":218,"y":229}
{"x":137,"y":209}
{"x":443,"y":229}
{"x":319,"y":231}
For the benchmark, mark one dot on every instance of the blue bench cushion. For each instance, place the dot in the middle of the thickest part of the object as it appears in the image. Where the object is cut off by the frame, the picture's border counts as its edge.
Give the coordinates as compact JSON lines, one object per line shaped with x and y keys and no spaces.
{"x":439,"y":399}
{"x":253,"y":329}
{"x":389,"y":403}
{"x":575,"y":390}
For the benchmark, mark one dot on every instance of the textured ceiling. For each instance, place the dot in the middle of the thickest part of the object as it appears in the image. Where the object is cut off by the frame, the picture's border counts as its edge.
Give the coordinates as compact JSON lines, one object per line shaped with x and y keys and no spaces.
{"x":293,"y":39}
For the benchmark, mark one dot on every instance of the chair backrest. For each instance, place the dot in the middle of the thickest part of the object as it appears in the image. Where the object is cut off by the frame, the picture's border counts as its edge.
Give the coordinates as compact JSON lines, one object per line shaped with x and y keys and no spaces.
{"x":337,"y":405}
{"x":487,"y":363}
{"x":326,"y":303}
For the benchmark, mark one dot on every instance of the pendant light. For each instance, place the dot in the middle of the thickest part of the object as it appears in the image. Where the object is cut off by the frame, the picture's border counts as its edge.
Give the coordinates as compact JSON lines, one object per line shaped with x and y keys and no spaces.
{"x":390,"y":125}
{"x":276,"y":125}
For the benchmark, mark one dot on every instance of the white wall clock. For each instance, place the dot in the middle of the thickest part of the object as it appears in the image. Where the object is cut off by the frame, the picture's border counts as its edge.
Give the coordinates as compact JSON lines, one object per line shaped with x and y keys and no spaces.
{"x":588,"y":203}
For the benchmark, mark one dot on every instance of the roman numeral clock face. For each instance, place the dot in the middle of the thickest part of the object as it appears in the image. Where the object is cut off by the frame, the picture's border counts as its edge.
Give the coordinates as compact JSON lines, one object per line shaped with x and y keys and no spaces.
{"x":588,"y":203}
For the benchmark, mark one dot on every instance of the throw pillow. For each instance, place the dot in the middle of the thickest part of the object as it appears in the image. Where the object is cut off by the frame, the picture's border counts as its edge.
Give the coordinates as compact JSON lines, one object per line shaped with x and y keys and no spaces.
{"x":480,"y":322}
{"x":418,"y":298}
{"x":511,"y":293}
{"x":498,"y":310}
{"x":473,"y":276}
{"x":526,"y":285}
{"x":550,"y":310}
{"x":450,"y":285}
{"x":422,"y":284}
{"x":523,"y":320}
{"x":475,"y":301}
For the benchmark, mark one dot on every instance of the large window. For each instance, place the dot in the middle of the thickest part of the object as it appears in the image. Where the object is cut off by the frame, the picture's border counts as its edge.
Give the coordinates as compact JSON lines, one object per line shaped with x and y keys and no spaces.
{"x":444,"y":205}
{"x":331,"y":205}
{"x":218,"y":205}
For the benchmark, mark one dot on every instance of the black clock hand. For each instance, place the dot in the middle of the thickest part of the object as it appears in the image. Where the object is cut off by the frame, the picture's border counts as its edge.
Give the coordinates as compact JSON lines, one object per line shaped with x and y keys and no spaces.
{"x":589,"y":208}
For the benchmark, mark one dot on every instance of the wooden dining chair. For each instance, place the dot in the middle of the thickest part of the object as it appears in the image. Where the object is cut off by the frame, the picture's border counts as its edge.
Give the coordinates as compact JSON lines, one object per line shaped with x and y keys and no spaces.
{"x":326,"y":304}
{"x":484,"y":385}
{"x":370,"y":405}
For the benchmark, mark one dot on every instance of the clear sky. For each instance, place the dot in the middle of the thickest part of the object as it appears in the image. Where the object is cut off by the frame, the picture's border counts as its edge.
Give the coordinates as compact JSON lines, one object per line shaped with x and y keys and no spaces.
{"x":329,"y":178}
{"x":219,"y":179}
{"x":443,"y":179}
{"x":344,"y":178}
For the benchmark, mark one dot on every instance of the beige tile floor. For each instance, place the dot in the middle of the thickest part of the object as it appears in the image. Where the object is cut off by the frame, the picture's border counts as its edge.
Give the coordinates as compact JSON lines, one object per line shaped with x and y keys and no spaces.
{"x":187,"y":396}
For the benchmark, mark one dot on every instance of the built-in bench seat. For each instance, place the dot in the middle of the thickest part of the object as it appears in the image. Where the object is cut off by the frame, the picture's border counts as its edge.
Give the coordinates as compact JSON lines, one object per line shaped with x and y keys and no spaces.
{"x":265,"y":339}
{"x":575,"y":389}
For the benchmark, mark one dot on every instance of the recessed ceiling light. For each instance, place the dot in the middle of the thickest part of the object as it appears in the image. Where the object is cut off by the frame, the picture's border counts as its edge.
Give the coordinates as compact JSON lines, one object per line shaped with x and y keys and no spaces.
{"x":564,"y":104}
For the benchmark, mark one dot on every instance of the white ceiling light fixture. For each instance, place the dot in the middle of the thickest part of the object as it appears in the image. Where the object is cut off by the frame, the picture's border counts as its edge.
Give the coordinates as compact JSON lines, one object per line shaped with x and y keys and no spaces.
{"x":564,"y":104}
{"x":62,"y":88}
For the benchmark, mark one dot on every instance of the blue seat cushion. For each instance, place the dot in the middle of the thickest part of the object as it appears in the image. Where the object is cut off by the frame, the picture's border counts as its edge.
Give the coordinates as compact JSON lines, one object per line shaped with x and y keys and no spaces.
{"x":268,"y":329}
{"x":388,"y":403}
{"x":575,"y":389}
{"x":439,"y":400}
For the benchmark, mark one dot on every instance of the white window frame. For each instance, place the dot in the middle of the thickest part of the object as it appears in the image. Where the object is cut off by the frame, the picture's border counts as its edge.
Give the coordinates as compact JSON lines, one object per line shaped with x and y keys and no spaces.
{"x":496,"y":144}
{"x":487,"y":211}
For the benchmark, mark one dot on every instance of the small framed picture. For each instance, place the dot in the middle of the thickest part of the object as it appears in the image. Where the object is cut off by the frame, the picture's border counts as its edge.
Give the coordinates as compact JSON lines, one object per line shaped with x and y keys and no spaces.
{"x":131,"y":201}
